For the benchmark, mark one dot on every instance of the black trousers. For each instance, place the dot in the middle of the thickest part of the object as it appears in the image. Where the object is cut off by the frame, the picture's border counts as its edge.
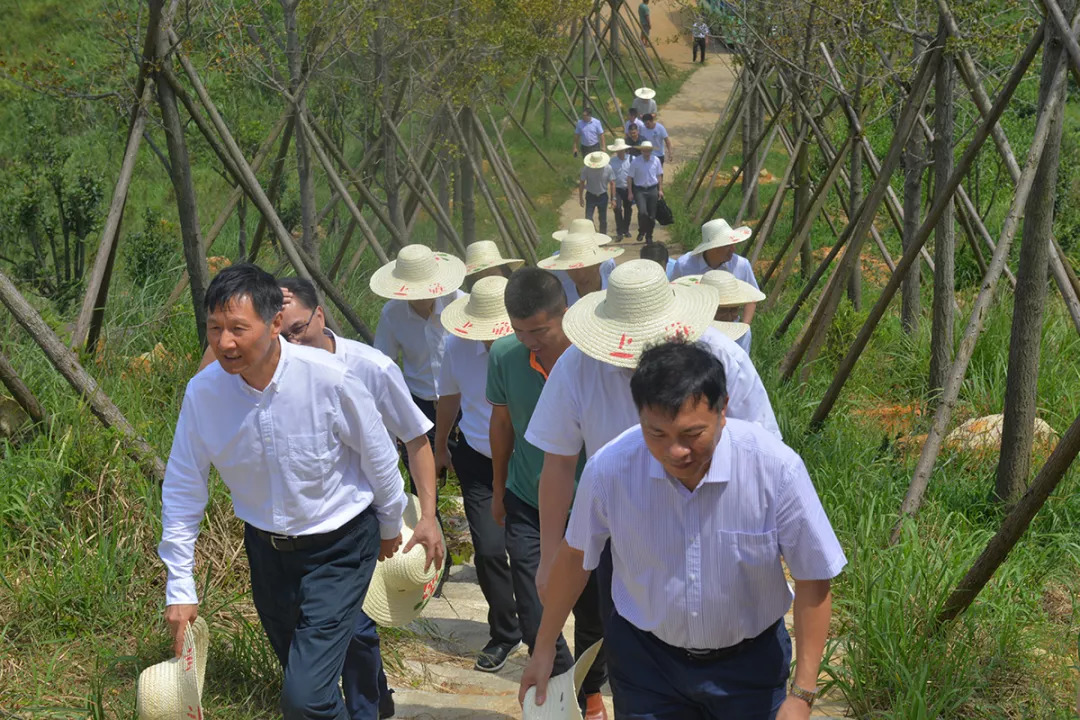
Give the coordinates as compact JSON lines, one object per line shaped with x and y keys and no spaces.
{"x":699,"y":43}
{"x":594,"y":203}
{"x":489,"y":542}
{"x":646,"y":198}
{"x":523,"y":544}
{"x":624,"y":210}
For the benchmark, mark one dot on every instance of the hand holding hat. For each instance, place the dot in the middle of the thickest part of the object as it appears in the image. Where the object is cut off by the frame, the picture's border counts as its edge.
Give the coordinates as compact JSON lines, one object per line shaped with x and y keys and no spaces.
{"x":173,"y":689}
{"x":554,"y":699}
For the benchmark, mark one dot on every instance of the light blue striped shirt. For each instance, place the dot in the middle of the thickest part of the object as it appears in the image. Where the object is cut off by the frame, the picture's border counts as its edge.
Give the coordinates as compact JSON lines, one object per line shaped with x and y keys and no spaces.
{"x":702,"y":569}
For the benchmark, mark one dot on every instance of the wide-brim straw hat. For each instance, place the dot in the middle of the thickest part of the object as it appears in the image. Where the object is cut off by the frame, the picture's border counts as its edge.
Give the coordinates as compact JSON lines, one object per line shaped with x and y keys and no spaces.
{"x":400,"y":586}
{"x":578,"y":250}
{"x":645,"y":93}
{"x":618,"y":145}
{"x":645,"y":145}
{"x":598,"y":159}
{"x":562,"y":691}
{"x":717,"y":233}
{"x":731,"y":330}
{"x":173,"y":689}
{"x":638,"y":309}
{"x":480,"y":315}
{"x":731,"y":290}
{"x":418,"y":273}
{"x":582,"y":226}
{"x":484,"y":254}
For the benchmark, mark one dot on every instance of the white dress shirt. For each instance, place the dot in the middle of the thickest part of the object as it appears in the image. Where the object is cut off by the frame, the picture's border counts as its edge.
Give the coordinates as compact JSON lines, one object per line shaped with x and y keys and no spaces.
{"x":634,"y":121}
{"x":587,"y":403}
{"x":656,"y":135}
{"x":621,"y":167}
{"x":570,"y":288}
{"x":701,"y":569}
{"x":464,"y":372}
{"x":301,"y":457}
{"x":589,"y":132}
{"x":644,"y":107}
{"x":418,"y":341}
{"x":646,"y":172}
{"x":383,"y":379}
{"x":744,"y":341}
{"x":738,"y":266}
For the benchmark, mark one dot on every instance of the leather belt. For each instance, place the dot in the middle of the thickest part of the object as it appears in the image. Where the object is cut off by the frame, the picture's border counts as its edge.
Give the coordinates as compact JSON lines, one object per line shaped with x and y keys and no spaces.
{"x":294,"y":543}
{"x":704,"y":656}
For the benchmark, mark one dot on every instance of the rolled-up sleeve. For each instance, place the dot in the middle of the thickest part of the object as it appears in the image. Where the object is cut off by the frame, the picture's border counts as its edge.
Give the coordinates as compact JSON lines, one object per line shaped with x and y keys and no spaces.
{"x":385,"y":340}
{"x":589,"y":529}
{"x":555,"y":426}
{"x":806,"y":536}
{"x":183,"y":502}
{"x":359,"y":427}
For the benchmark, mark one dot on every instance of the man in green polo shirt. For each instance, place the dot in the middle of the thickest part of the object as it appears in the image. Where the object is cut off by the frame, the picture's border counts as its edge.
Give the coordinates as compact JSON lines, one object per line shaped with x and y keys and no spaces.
{"x":518,"y":366}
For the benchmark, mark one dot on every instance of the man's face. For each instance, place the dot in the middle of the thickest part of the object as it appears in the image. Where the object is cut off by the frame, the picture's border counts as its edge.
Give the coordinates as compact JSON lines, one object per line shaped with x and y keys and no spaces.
{"x":585,"y":275}
{"x":684,"y":443}
{"x":621,"y":154}
{"x":301,"y":325}
{"x":586,"y":115}
{"x":728,"y":314}
{"x":239,"y":337}
{"x":716,"y":257}
{"x":650,"y":123}
{"x":495,"y":271}
{"x":540,"y":332}
{"x":633,"y":132}
{"x":646,"y":153}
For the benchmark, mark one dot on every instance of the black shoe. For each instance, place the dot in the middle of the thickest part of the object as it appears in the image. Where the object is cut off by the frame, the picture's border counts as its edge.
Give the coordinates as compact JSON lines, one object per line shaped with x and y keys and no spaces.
{"x":493,"y":657}
{"x":640,"y":238}
{"x":448,"y":562}
{"x":386,"y":705}
{"x":618,"y":237}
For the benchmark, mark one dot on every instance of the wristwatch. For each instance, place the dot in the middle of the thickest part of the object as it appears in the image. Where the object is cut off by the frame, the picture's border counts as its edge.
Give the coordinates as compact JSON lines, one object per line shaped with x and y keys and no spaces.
{"x":807,"y":696}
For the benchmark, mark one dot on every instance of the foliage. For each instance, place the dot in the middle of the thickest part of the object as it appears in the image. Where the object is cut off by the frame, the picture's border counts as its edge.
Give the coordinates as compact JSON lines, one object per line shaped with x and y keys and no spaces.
{"x":148,"y":252}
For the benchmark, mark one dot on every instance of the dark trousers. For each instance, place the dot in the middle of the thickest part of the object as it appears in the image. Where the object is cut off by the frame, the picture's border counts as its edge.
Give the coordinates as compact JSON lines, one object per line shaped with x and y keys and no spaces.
{"x":308,"y":602}
{"x":586,"y":149}
{"x":646,"y":198}
{"x":594,"y":203}
{"x":699,"y":44}
{"x":489,"y":542}
{"x":651,"y":680}
{"x":523,"y":544}
{"x":428,"y":408}
{"x":624,"y":210}
{"x":363,"y":679}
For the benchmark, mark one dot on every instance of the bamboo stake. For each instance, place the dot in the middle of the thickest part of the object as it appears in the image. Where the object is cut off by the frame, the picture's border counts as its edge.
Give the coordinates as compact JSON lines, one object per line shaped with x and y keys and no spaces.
{"x":746,"y":196}
{"x":22,"y":394}
{"x":714,"y":134}
{"x":738,"y":173}
{"x":719,"y":155}
{"x":764,"y":230}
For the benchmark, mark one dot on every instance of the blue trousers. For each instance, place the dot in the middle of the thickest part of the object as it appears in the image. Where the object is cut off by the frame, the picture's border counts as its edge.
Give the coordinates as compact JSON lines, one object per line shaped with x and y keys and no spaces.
{"x":651,"y":680}
{"x":308,"y":602}
{"x":363,"y":679}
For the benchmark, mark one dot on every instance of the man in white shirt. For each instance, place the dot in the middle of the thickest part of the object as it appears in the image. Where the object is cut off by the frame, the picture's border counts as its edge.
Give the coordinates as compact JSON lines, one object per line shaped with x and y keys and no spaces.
{"x":588,"y":133}
{"x":474,"y":322}
{"x":620,"y":167}
{"x":645,"y":101}
{"x":700,"y":31}
{"x":645,"y":186}
{"x":596,"y":187}
{"x":716,"y":251}
{"x":363,"y":679}
{"x":699,"y":510}
{"x":582,"y":265}
{"x":634,"y":120}
{"x":657,"y":134}
{"x":311,"y":471}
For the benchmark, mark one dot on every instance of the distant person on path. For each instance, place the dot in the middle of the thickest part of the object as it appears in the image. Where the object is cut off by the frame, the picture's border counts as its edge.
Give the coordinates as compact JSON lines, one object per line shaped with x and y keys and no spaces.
{"x":624,"y":209}
{"x":518,"y":367}
{"x":474,"y":322}
{"x":634,"y":119}
{"x":716,"y":251}
{"x":321,"y":501}
{"x":596,"y":188}
{"x":701,"y":513}
{"x":645,"y":186}
{"x":588,"y":134}
{"x":700,"y":31}
{"x":644,"y":101}
{"x":363,"y":679}
{"x":645,"y":16}
{"x":634,"y":139}
{"x":657,"y":134}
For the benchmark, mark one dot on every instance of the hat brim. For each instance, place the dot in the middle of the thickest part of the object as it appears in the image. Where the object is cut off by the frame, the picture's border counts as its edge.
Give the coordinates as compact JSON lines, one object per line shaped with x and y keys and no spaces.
{"x":172,"y":688}
{"x":736,"y":236}
{"x":617,"y":148}
{"x":732,"y":330}
{"x":562,"y":691}
{"x":456,"y":319}
{"x":399,"y":607}
{"x":474,"y":268}
{"x":620,"y":342}
{"x":748,"y":293}
{"x":602,"y":255}
{"x":448,"y":276}
{"x":645,"y":93}
{"x":599,"y":238}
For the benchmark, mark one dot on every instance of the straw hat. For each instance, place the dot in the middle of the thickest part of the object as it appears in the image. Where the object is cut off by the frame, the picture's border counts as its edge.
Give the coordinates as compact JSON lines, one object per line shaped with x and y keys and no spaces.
{"x":484,"y":254}
{"x":480,"y":315}
{"x":639,"y":308}
{"x":173,"y":689}
{"x":732,"y":330}
{"x":620,"y":144}
{"x":562,"y":691}
{"x":418,"y":274}
{"x":717,"y":233}
{"x":400,"y":586}
{"x":645,"y":93}
{"x":578,"y":250}
{"x":597,"y":160}
{"x":732,"y":290}
{"x":645,"y":145}
{"x":582,"y":226}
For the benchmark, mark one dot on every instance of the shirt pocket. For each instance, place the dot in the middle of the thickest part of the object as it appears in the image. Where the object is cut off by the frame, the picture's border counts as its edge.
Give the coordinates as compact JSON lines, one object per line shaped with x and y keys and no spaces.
{"x":751,"y":572}
{"x":309,"y":457}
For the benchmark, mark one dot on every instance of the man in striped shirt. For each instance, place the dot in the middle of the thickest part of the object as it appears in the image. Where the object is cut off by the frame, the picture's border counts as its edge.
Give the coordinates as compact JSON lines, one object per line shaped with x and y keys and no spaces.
{"x":699,"y":510}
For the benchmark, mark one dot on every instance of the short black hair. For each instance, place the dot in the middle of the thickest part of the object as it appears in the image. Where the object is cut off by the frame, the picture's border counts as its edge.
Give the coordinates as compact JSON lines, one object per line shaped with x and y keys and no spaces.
{"x":242,"y":279}
{"x":303,"y":290}
{"x":647,"y":117}
{"x":531,"y":290}
{"x":672,"y":373}
{"x":633,"y":110}
{"x":656,"y":251}
{"x":586,"y":109}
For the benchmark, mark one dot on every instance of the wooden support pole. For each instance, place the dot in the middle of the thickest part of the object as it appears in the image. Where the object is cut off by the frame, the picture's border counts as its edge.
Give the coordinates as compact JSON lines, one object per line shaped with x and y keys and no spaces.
{"x":719,"y":155}
{"x":22,"y":394}
{"x":717,"y":132}
{"x":772,"y":213}
{"x":742,"y":167}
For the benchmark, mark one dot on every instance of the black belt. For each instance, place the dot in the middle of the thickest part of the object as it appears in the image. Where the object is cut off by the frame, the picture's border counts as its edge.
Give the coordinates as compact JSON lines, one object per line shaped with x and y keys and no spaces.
{"x":293,"y":543}
{"x":704,"y":656}
{"x":646,"y":187}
